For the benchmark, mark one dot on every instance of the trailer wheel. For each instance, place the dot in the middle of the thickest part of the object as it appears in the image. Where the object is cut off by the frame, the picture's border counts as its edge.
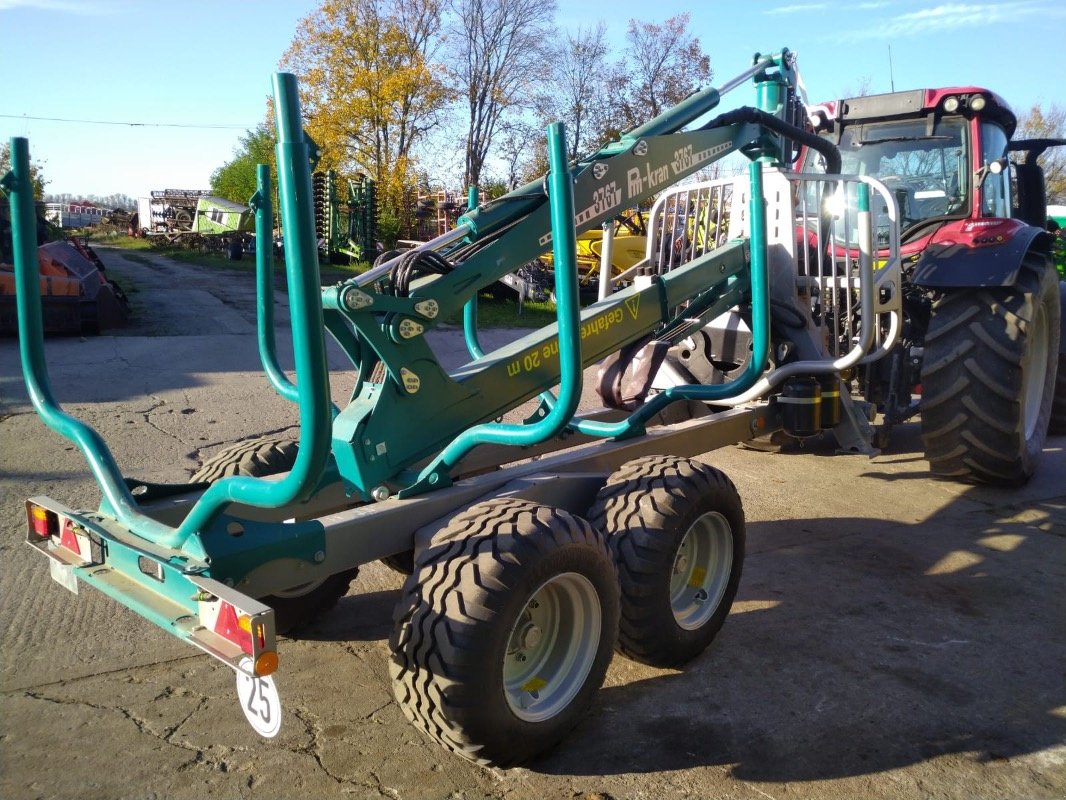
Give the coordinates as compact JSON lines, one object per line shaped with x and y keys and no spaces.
{"x":255,"y":458}
{"x":676,"y":530}
{"x":1057,"y":425}
{"x":404,"y":562}
{"x":504,"y":631}
{"x":298,"y":606}
{"x":987,"y":392}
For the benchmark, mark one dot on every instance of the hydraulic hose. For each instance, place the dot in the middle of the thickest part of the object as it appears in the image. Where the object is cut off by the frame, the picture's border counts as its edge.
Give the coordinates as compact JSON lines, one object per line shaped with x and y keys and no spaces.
{"x":777,"y":125}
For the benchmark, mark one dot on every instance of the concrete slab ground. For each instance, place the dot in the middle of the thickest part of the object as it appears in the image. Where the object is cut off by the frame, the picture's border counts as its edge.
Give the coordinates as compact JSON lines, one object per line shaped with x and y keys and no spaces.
{"x":894,"y":636}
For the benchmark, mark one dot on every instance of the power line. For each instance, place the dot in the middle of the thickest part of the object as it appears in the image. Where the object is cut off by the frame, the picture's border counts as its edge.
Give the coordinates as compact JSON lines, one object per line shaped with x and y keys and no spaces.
{"x":129,"y":124}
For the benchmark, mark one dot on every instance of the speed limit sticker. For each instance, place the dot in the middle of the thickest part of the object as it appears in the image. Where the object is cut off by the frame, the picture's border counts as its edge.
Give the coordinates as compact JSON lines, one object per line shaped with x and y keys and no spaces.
{"x":259,"y":701}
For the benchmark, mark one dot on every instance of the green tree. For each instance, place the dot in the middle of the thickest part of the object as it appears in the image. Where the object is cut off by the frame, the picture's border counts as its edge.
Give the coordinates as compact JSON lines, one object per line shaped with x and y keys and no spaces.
{"x":369,"y":90}
{"x":36,"y":171}
{"x":236,"y":180}
{"x":1039,"y":123}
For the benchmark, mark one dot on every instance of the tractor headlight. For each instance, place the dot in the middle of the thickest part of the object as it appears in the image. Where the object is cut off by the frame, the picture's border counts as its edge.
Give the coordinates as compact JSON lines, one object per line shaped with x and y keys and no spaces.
{"x":977,"y":102}
{"x":951,"y":104}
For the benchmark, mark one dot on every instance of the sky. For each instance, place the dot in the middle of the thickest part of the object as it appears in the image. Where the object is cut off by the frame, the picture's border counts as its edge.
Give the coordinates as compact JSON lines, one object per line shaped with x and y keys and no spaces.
{"x":187,"y":79}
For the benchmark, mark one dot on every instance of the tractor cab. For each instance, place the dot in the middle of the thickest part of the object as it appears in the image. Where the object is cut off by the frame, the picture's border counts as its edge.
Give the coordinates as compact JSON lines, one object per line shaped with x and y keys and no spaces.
{"x":942,"y":152}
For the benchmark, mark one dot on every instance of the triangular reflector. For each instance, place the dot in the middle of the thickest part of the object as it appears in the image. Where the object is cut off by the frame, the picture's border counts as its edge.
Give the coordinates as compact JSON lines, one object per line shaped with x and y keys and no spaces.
{"x":68,"y":539}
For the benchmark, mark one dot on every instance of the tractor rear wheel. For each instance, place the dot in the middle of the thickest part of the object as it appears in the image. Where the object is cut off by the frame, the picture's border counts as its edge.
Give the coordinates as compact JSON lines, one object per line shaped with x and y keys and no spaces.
{"x":504,"y":631}
{"x":676,"y":530}
{"x":986,"y":377}
{"x":298,"y":606}
{"x":1057,"y":426}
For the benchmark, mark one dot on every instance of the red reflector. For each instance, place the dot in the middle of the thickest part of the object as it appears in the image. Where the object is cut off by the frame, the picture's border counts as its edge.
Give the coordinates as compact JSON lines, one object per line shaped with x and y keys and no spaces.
{"x":228,"y":627}
{"x":68,"y":539}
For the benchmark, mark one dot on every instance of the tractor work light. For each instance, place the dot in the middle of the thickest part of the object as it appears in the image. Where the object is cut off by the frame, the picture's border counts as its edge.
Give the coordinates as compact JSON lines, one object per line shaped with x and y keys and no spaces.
{"x":951,"y":104}
{"x":977,"y":102}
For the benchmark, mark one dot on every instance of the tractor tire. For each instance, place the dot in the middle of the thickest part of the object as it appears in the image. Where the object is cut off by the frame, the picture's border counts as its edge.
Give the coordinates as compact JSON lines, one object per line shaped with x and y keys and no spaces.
{"x":504,"y":631}
{"x":676,"y":530}
{"x":299,"y":606}
{"x":986,"y":388}
{"x":1057,"y":425}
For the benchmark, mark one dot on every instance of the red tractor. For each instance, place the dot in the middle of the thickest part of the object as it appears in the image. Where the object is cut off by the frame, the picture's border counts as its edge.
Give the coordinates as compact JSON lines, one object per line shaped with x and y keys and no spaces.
{"x":983,"y":336}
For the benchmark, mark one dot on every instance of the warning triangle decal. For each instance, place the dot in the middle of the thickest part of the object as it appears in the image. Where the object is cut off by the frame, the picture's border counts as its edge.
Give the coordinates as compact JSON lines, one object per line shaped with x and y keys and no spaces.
{"x":633,"y":304}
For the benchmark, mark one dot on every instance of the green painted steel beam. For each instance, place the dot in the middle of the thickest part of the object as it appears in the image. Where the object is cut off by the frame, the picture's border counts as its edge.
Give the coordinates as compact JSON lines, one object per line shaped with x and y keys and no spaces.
{"x":262,"y":205}
{"x":564,"y":248}
{"x":116,"y":495}
{"x":374,"y":440}
{"x":309,"y":349}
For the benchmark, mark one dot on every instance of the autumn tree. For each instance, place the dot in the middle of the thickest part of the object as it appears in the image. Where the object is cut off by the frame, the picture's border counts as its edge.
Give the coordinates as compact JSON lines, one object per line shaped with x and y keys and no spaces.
{"x":522,"y":149}
{"x":1049,"y":124}
{"x":236,"y":179}
{"x":499,"y":57}
{"x":369,"y":89}
{"x":578,"y":74}
{"x":660,"y":67}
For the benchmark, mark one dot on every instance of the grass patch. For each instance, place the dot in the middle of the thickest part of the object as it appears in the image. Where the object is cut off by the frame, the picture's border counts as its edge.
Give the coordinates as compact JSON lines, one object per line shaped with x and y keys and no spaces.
{"x":331,"y":273}
{"x":116,"y":273}
{"x":503,"y":313}
{"x":211,"y":260}
{"x":115,"y":239}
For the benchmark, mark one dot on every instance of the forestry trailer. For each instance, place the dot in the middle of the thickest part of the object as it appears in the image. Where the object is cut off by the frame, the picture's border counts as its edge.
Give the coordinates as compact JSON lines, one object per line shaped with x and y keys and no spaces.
{"x":524,"y":573}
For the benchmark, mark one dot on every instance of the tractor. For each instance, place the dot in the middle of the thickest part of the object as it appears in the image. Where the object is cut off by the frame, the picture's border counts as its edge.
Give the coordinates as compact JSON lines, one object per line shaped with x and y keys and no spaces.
{"x":982,"y":353}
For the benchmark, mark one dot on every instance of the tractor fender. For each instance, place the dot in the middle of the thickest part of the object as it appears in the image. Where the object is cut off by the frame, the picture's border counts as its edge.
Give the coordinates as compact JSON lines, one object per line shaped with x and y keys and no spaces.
{"x":951,"y":265}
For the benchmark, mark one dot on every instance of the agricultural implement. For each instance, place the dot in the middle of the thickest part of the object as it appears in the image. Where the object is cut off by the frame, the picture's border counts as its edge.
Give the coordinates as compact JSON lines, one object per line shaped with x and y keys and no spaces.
{"x":523,"y":577}
{"x":78,"y":296}
{"x":345,"y":221}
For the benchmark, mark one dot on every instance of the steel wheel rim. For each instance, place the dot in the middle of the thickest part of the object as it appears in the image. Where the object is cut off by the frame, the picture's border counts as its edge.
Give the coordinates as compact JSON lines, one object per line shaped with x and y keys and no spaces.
{"x":700,"y":575}
{"x":1036,"y":375}
{"x":551,"y":647}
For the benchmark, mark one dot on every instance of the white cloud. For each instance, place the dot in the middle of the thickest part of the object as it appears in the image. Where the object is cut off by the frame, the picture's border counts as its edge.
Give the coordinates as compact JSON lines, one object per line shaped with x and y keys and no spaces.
{"x":797,"y":8}
{"x":949,"y":16}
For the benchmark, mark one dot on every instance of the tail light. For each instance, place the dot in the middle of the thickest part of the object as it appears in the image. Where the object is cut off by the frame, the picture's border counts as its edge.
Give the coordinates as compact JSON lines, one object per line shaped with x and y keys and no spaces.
{"x":58,"y":531}
{"x":248,"y":632}
{"x":43,"y":522}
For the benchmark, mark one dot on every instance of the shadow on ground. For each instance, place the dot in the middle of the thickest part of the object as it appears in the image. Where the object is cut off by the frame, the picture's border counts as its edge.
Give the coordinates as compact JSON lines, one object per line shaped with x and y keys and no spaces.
{"x":880,"y":650}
